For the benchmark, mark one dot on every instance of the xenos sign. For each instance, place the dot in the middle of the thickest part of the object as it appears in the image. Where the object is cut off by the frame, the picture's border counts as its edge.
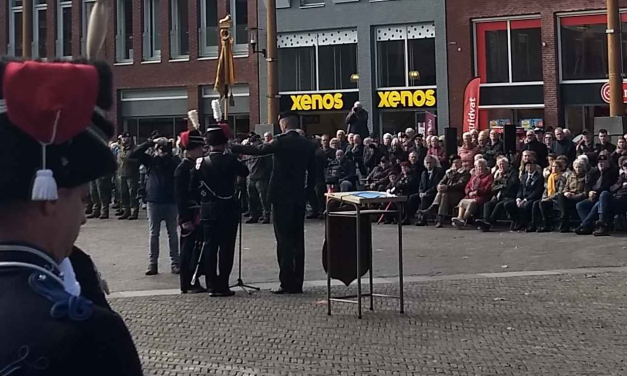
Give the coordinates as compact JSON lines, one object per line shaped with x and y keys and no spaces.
{"x":313,"y":102}
{"x":406,"y":98}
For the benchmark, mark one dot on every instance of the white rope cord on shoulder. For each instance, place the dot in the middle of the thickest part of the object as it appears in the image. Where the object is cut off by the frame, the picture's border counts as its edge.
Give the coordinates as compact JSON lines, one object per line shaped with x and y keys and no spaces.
{"x":3,"y":106}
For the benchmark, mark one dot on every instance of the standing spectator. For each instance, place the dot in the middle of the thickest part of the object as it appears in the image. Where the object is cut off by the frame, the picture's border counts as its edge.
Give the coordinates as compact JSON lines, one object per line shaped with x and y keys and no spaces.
{"x":128,"y":171}
{"x":604,"y":142}
{"x":542,"y":212}
{"x":469,"y":149}
{"x":327,"y":149}
{"x":427,"y":189}
{"x":600,"y":180}
{"x":530,"y":190}
{"x":387,"y":143}
{"x":563,"y":146}
{"x":504,"y":188}
{"x":357,"y":121}
{"x":258,"y":181}
{"x":420,"y":149}
{"x":548,"y":139}
{"x":350,"y":142}
{"x":100,"y":193}
{"x":478,"y":192}
{"x":574,"y":192}
{"x":267,"y":137}
{"x":587,"y":147}
{"x":621,"y":151}
{"x":494,"y":148}
{"x":160,"y":198}
{"x":357,"y":153}
{"x":316,"y":193}
{"x":341,"y":136}
{"x":334,"y":145}
{"x":612,"y":202}
{"x":450,"y":189}
{"x":475,"y":136}
{"x":537,"y":147}
{"x":398,"y":154}
{"x":411,"y":133}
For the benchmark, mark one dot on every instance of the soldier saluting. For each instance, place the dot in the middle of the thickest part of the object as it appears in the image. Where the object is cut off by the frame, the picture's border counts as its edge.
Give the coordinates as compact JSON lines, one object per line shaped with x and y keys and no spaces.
{"x":53,"y":131}
{"x":215,"y":177}
{"x":293,"y":164}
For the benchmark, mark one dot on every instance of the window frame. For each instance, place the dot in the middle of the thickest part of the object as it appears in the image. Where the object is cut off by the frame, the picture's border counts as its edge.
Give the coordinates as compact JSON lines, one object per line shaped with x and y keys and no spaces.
{"x":238,"y":49}
{"x":85,"y":23}
{"x":61,"y":5}
{"x":176,"y":30}
{"x":37,"y":7}
{"x":13,"y":10}
{"x":317,"y":69}
{"x":204,"y":51}
{"x":150,"y":53}
{"x":508,"y":20}
{"x":559,"y":17}
{"x":406,"y":62}
{"x":317,"y":4}
{"x":120,"y":34}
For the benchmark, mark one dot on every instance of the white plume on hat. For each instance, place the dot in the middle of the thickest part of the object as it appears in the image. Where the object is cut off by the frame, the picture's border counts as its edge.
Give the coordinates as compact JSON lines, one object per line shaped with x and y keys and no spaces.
{"x":217,"y":110}
{"x":193,"y":117}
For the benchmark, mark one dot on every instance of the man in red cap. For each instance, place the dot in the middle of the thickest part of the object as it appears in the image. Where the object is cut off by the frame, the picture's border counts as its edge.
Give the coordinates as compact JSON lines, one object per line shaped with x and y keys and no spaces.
{"x":54,"y":317}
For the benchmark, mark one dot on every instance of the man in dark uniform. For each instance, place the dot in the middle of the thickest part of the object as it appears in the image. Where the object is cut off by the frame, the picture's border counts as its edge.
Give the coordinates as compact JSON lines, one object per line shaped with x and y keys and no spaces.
{"x":55,"y":143}
{"x":192,"y":143}
{"x":215,"y":175}
{"x":293,"y":159}
{"x":128,"y":175}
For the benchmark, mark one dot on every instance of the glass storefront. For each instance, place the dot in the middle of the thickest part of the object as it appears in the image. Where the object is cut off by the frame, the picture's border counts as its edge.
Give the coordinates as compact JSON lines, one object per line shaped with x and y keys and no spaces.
{"x":395,"y":121}
{"x":142,"y":128}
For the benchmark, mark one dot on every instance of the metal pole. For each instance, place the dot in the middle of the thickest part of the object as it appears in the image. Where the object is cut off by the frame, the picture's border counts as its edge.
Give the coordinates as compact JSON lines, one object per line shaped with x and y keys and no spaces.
{"x":615,"y":59}
{"x":273,"y":64}
{"x":27,"y":28}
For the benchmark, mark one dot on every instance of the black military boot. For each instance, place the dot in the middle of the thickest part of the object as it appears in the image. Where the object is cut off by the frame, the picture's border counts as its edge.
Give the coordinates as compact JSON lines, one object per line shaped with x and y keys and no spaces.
{"x":134,"y":215}
{"x":126,"y":214}
{"x":94,"y":214}
{"x":153,"y":269}
{"x":104,"y":214}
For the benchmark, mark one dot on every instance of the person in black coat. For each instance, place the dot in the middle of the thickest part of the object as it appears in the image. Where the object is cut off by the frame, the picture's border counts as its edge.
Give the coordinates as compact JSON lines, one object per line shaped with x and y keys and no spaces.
{"x":293,"y":162}
{"x":53,"y":324}
{"x":530,"y":190}
{"x":538,"y":147}
{"x":428,"y":188}
{"x":563,"y":146}
{"x":357,"y":121}
{"x":191,"y":237}
{"x":504,"y":188}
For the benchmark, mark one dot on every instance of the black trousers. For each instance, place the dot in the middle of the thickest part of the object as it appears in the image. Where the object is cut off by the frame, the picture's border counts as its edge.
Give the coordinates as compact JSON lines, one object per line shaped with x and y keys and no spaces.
{"x":220,"y":234}
{"x":316,"y":198}
{"x":191,"y":246}
{"x":567,"y":207}
{"x":542,"y":213}
{"x":521,"y":215}
{"x":289,"y":230}
{"x":414,"y":202}
{"x":493,"y":209}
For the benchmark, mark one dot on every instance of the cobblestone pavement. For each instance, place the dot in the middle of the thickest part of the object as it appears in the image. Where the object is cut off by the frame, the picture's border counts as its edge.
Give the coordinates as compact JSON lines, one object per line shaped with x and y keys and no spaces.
{"x":550,"y":325}
{"x":120,"y":249}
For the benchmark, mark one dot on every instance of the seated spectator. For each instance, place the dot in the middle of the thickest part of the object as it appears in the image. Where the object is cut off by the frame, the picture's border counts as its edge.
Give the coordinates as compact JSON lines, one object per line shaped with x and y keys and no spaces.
{"x":565,"y":162}
{"x":478,"y":192}
{"x":398,"y":154}
{"x":469,"y":149}
{"x":348,"y":179}
{"x":410,"y":132}
{"x":621,"y":151}
{"x":527,"y":157}
{"x":548,"y":140}
{"x":335,"y":171}
{"x":587,"y":147}
{"x":543,"y":209}
{"x":335,"y":144}
{"x":604,"y":142}
{"x":450,"y":190}
{"x":574,"y":192}
{"x":407,"y":185}
{"x":427,"y":189}
{"x":493,"y":149}
{"x":549,"y":169}
{"x":474,"y":135}
{"x":612,"y":202}
{"x":504,"y":189}
{"x":529,"y":191}
{"x":600,"y":180}
{"x":378,"y":178}
{"x":437,"y":151}
{"x":356,"y":152}
{"x":563,"y":146}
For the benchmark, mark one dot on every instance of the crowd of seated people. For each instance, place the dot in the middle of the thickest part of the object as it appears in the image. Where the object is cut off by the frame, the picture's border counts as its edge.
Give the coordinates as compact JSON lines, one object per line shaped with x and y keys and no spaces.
{"x":550,"y":183}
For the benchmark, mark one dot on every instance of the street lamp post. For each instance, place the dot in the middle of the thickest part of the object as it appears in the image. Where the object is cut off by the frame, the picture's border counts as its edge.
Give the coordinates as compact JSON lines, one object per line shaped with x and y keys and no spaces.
{"x":27,"y":29}
{"x":273,"y":64}
{"x":615,"y":59}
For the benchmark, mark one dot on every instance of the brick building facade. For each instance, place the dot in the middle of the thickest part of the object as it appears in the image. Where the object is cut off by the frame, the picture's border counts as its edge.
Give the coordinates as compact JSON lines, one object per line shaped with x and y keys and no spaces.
{"x":568,"y":80}
{"x":163,"y":52}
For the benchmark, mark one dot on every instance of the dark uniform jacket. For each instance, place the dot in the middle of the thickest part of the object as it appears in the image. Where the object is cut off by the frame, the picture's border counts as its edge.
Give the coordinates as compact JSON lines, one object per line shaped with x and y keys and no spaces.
{"x":185,"y":200}
{"x":531,"y":189}
{"x":430,"y":186}
{"x":47,"y":332}
{"x":127,"y":166}
{"x":293,"y":163}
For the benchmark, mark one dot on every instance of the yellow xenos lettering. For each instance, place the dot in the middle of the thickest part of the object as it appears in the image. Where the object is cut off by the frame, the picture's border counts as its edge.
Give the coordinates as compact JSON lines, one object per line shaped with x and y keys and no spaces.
{"x":406,"y":98}
{"x":313,"y":102}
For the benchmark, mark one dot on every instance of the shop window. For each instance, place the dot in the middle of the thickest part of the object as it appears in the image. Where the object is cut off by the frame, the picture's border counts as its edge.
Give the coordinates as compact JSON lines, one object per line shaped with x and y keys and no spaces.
{"x":15,"y":28}
{"x":179,"y":42}
{"x":152,"y":30}
{"x":40,"y":30}
{"x":64,"y":29}
{"x":406,"y":56}
{"x":337,"y":65}
{"x":298,"y":69}
{"x":124,"y":31}
{"x":509,"y":51}
{"x":584,"y":47}
{"x":308,"y":3}
{"x":394,"y":121}
{"x":525,"y":118}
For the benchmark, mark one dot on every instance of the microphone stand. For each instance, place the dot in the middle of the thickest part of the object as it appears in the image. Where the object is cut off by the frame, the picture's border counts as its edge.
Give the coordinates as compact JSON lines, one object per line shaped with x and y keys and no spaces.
{"x":240,"y":282}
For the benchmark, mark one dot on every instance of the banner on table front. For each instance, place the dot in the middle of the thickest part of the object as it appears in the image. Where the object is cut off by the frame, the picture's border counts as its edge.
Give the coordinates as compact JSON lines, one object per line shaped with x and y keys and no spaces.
{"x":471,"y":105}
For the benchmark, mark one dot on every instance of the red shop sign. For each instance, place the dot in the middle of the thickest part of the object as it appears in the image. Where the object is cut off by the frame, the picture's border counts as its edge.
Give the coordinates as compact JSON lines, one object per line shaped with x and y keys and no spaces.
{"x":605,"y":92}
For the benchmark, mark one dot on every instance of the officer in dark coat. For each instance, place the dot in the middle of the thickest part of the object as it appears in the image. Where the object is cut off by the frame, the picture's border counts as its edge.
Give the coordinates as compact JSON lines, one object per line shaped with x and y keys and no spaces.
{"x":293,"y":163}
{"x":189,"y":209}
{"x":54,"y":144}
{"x":216,"y":175}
